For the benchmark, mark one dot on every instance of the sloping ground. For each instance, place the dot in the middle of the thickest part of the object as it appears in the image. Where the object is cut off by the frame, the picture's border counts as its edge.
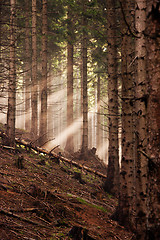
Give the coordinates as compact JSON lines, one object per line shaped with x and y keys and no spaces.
{"x":53,"y":201}
{"x":47,"y":199}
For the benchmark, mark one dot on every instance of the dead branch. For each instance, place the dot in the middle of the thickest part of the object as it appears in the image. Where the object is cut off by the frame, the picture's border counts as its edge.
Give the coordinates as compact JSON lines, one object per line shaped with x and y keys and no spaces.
{"x":144,"y":154}
{"x":16,"y":227}
{"x":37,"y":139}
{"x":95,"y":203}
{"x":48,"y":141}
{"x":54,"y":148}
{"x":8,"y":147}
{"x":57,"y":156}
{"x":24,"y":210}
{"x":10,"y":214}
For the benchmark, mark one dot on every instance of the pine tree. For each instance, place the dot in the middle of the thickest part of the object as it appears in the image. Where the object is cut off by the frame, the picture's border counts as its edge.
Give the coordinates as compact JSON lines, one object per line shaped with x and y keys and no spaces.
{"x":84,"y":147}
{"x":12,"y":79}
{"x":127,"y":176}
{"x":34,"y":90}
{"x":27,"y":68}
{"x":141,"y":124}
{"x":152,"y":101}
{"x":112,"y":182}
{"x":98,"y":110}
{"x":69,"y":143}
{"x":43,"y":84}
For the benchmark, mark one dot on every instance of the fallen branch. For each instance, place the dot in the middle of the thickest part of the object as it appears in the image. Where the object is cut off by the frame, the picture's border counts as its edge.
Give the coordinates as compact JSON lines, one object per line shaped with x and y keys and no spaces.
{"x":8,"y":147}
{"x":93,"y":203}
{"x":59,"y":157}
{"x":24,"y":210}
{"x":54,"y":148}
{"x":10,"y":214}
{"x":144,"y":154}
{"x":17,"y":227}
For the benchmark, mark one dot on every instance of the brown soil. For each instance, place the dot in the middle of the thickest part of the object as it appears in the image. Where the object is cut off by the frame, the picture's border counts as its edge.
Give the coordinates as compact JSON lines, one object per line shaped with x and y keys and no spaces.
{"x":49,"y":200}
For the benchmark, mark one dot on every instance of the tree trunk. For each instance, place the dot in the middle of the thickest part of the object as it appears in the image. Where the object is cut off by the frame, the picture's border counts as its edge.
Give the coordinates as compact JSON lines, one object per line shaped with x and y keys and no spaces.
{"x":112,"y":182}
{"x":127,"y":177}
{"x":140,"y":109}
{"x":98,"y":112}
{"x":43,"y":85}
{"x":12,"y":80}
{"x":84,"y":148}
{"x":27,"y":68}
{"x":69,"y":144}
{"x":34,"y":91}
{"x":153,"y":110}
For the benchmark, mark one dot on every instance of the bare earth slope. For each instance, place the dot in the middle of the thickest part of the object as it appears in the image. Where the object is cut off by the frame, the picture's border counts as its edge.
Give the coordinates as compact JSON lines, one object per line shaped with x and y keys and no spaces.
{"x":49,"y":200}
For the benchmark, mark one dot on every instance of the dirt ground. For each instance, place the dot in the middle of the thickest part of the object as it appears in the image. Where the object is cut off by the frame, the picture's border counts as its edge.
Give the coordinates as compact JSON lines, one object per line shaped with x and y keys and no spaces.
{"x":42,"y":198}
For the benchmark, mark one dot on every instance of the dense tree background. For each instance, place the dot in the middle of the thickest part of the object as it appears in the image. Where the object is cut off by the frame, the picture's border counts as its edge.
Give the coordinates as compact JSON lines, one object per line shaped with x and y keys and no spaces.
{"x":84,"y":74}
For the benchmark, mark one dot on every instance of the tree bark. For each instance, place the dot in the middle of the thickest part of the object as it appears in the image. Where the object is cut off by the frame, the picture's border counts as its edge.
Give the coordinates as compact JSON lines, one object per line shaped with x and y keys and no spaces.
{"x":112,"y":183}
{"x":12,"y":80}
{"x":69,"y":144}
{"x":98,"y":111}
{"x":153,"y":105}
{"x":34,"y":91}
{"x":43,"y":85}
{"x":27,"y":68}
{"x":84,"y":148}
{"x":141,"y":126}
{"x":126,"y":206}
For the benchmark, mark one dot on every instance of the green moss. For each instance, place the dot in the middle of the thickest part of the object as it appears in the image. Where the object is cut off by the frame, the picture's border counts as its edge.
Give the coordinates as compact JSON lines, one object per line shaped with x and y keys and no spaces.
{"x":100,"y":208}
{"x":83,"y":201}
{"x":58,"y":235}
{"x":109,"y":195}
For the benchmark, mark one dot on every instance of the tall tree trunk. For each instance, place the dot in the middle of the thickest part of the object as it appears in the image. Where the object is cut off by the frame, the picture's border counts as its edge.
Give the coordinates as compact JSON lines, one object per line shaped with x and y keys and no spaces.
{"x":140,"y":109}
{"x":153,"y":112}
{"x":12,"y":80}
{"x":127,"y":177}
{"x":112,"y":182}
{"x":27,"y":68}
{"x":84,"y":148}
{"x":43,"y":117}
{"x":98,"y":111}
{"x":69,"y":144}
{"x":34,"y":91}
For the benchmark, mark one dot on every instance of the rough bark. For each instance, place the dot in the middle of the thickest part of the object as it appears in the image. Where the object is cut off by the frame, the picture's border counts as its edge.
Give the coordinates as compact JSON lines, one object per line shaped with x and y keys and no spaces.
{"x":12,"y":80}
{"x":27,"y":68}
{"x":127,"y":176}
{"x":43,"y":117}
{"x":141,"y":127}
{"x":112,"y":183}
{"x":98,"y":111}
{"x":153,"y":109}
{"x":84,"y":80}
{"x":69,"y":144}
{"x":34,"y":91}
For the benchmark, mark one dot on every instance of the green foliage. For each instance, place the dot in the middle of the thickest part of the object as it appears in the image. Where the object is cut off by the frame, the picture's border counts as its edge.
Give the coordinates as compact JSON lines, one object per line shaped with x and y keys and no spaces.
{"x":57,"y":37}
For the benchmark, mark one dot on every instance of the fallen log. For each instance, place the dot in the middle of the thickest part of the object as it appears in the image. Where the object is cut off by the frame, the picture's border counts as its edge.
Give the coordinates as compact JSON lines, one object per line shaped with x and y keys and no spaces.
{"x":59,"y":157}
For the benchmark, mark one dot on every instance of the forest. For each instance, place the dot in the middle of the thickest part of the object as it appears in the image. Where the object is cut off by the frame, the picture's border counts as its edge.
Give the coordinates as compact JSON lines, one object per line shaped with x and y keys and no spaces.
{"x":82,"y":78}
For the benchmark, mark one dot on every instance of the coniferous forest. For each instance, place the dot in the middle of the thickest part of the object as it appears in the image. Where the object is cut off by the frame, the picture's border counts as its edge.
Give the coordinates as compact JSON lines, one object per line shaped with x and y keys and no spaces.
{"x":80,"y":81}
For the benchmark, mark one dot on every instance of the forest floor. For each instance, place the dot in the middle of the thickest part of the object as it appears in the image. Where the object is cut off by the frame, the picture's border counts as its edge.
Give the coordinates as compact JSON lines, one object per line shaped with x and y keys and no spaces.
{"x":47,"y":199}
